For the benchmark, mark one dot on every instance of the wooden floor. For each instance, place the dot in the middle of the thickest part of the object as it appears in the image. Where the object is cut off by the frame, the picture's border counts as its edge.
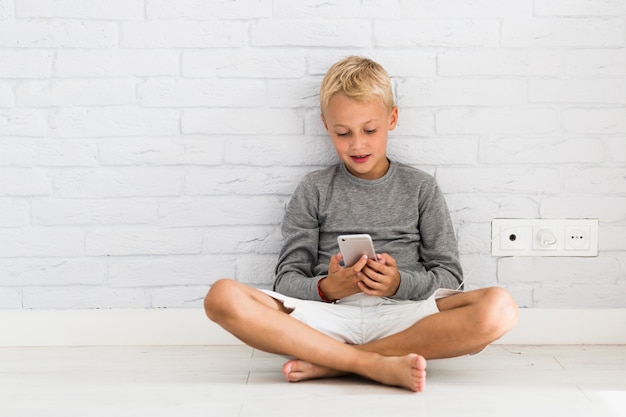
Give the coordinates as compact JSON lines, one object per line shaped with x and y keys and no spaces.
{"x":226,"y":381}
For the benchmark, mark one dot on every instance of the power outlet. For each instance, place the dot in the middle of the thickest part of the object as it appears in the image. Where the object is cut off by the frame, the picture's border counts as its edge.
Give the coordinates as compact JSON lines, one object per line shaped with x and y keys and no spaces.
{"x":515,"y":238}
{"x":577,"y":238}
{"x":544,"y":237}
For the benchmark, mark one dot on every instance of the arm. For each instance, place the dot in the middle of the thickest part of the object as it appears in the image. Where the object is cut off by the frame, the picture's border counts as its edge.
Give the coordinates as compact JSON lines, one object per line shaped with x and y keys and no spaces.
{"x":295,"y":275}
{"x":439,"y":265}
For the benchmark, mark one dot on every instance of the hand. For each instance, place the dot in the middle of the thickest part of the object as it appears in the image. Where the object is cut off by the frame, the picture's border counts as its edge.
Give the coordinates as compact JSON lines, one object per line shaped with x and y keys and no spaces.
{"x":380,"y":278}
{"x":342,"y":282}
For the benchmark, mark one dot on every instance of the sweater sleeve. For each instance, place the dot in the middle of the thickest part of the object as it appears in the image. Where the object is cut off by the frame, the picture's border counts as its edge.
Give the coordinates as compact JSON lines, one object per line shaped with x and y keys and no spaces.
{"x":439,"y":265}
{"x":295,"y":275}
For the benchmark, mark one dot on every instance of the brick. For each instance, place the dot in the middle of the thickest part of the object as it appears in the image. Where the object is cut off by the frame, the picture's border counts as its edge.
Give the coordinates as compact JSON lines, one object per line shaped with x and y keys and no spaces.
{"x":580,"y":296}
{"x":415,"y":122}
{"x":480,"y":271}
{"x":458,"y":92}
{"x":256,"y":270}
{"x":254,"y":239}
{"x":126,"y":242}
{"x":499,"y":180}
{"x":58,"y":34}
{"x":183,"y":34}
{"x":293,"y":93}
{"x":117,"y":182}
{"x":39,"y":243}
{"x":376,"y":9}
{"x":607,"y":91}
{"x":23,"y":122}
{"x":595,"y":120}
{"x":497,"y":120}
{"x":86,"y":9}
{"x":596,"y":62}
{"x":611,"y":238}
{"x":606,"y":208}
{"x":6,"y":95}
{"x":437,"y":33}
{"x":499,"y":62}
{"x":24,"y":182}
{"x":580,"y":8}
{"x":463,"y":9}
{"x":247,"y":62}
{"x":113,"y":121}
{"x":167,"y":271}
{"x":7,"y":11}
{"x":116,"y":63}
{"x":199,"y":9}
{"x":179,"y":296}
{"x":401,"y":63}
{"x":312,"y":9}
{"x":243,"y":180}
{"x":616,"y":150}
{"x":52,"y":212}
{"x":474,"y":238}
{"x":253,"y":121}
{"x":568,"y":271}
{"x":557,"y":150}
{"x":10,"y":297}
{"x":313,"y":124}
{"x":223,"y":210}
{"x":80,"y":297}
{"x":23,"y":63}
{"x":144,"y":151}
{"x":333,"y":33}
{"x":567,"y":32}
{"x":27,"y":152}
{"x":594,"y":181}
{"x":441,"y":151}
{"x":52,"y":272}
{"x":472,"y":208}
{"x":14,"y":213}
{"x":201,"y":93}
{"x":280,"y":151}
{"x":75,"y":93}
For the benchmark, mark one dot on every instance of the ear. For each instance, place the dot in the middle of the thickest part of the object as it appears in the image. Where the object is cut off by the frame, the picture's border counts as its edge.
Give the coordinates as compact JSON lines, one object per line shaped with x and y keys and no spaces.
{"x":324,"y":121}
{"x":393,"y":118}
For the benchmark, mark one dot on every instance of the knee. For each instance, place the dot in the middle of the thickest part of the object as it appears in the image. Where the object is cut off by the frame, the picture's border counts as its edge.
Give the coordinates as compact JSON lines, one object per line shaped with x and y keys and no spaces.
{"x":219,"y":298}
{"x":500,"y":311}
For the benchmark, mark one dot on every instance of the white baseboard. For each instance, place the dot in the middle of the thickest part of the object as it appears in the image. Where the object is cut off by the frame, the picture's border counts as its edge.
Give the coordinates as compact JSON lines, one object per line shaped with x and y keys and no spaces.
{"x":191,"y":327}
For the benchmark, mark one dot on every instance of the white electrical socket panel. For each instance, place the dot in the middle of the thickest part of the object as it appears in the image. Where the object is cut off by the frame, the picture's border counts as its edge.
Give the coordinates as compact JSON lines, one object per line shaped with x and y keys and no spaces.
{"x":544,"y":237}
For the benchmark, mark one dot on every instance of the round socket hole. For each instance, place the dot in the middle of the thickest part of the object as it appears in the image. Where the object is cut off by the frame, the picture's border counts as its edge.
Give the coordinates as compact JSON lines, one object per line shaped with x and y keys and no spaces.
{"x":512,"y":237}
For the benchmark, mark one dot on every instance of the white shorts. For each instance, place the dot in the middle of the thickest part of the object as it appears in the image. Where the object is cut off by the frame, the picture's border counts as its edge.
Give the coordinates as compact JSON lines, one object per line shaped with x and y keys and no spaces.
{"x":360,"y":318}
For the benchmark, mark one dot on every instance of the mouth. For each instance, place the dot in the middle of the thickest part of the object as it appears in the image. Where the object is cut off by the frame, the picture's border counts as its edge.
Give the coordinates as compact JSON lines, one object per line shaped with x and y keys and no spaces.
{"x":359,"y":159}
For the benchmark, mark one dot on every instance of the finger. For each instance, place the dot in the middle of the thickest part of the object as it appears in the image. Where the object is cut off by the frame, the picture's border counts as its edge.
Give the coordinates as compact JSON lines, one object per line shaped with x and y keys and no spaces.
{"x":368,"y":290}
{"x":334,"y":264}
{"x":360,"y":264}
{"x":378,"y":267}
{"x":388,"y":260}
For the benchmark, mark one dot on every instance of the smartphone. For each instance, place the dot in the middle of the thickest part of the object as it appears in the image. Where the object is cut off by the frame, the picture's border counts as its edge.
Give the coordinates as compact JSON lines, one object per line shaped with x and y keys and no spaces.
{"x":352,"y":247}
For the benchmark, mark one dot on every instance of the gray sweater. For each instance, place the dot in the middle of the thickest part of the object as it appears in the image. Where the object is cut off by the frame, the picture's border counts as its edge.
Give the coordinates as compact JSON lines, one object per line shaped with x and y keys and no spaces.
{"x":404,"y":212}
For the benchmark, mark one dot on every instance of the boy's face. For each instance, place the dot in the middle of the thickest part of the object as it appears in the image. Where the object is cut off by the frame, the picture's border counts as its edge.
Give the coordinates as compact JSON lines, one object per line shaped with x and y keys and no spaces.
{"x":359,"y":133}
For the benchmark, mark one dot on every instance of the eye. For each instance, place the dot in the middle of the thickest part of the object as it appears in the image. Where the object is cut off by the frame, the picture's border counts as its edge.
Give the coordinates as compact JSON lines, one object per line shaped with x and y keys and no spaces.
{"x":342,"y":134}
{"x":371,"y":131}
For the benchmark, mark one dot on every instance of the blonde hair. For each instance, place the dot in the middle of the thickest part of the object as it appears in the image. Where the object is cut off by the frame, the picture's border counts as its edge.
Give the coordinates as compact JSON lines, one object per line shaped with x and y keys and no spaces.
{"x":357,"y":78}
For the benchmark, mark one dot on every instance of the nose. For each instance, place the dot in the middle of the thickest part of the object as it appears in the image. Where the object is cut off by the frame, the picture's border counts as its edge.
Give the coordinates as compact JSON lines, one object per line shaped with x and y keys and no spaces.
{"x":358,"y":141}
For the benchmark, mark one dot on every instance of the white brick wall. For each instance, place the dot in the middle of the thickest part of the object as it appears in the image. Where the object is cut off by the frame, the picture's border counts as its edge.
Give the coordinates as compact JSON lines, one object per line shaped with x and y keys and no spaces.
{"x":148,"y":147}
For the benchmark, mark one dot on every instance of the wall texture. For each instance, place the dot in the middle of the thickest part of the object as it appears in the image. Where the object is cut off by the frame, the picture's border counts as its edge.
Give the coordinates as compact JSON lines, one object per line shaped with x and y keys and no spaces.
{"x":148,"y":147}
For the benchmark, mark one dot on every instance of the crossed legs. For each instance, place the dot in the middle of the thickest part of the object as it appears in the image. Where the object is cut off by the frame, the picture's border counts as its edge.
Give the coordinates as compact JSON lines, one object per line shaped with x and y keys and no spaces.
{"x":467,"y":322}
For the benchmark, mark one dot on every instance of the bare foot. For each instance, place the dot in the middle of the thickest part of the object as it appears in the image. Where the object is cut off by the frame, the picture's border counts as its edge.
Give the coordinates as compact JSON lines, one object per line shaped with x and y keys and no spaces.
{"x":296,"y":370}
{"x":404,"y":371}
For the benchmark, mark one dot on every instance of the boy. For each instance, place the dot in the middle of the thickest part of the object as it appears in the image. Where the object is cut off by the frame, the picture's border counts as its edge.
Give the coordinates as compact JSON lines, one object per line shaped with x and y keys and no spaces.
{"x":380,"y":318}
